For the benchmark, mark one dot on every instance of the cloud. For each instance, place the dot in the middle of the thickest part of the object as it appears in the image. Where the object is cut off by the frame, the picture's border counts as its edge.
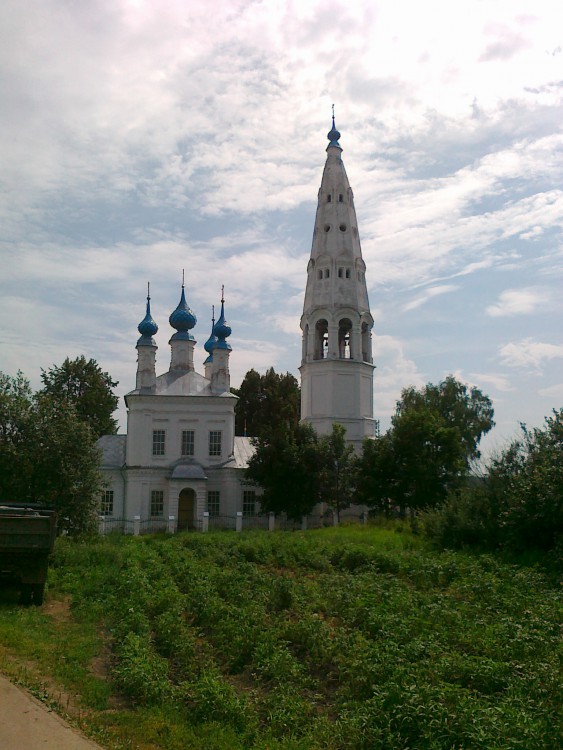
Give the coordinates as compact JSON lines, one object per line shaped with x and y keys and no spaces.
{"x":518,"y":302}
{"x":395,"y":371}
{"x":554,"y":392}
{"x":506,"y":45}
{"x":498,"y":382}
{"x":429,"y":294}
{"x":529,"y":354}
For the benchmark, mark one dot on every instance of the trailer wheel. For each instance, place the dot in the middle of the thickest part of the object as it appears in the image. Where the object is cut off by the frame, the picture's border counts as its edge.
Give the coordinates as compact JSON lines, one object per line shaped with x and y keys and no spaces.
{"x":38,"y":591}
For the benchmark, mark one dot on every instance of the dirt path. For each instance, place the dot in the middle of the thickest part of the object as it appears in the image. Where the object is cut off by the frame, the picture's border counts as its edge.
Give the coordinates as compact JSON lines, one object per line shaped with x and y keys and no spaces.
{"x":26,"y":724}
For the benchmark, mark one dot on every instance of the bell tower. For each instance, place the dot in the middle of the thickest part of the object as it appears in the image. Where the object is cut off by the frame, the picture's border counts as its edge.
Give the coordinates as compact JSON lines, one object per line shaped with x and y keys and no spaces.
{"x":337,"y":365}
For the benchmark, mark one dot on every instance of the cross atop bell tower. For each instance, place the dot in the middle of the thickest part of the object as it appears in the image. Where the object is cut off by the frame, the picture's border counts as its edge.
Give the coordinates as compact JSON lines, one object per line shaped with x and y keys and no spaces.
{"x":337,"y":365}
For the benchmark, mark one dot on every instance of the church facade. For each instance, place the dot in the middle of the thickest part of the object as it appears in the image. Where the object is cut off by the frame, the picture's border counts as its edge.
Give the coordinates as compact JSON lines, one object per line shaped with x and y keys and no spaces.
{"x":180,"y":464}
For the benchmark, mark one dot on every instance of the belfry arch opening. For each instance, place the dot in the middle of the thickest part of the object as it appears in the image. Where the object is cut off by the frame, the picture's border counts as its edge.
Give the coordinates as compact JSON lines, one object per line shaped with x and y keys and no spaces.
{"x":345,"y":338}
{"x":366,"y":343}
{"x":321,"y":339}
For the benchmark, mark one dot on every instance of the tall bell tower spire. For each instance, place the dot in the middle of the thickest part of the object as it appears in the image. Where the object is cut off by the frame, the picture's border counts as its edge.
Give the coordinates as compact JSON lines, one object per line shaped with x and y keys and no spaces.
{"x":337,"y":365}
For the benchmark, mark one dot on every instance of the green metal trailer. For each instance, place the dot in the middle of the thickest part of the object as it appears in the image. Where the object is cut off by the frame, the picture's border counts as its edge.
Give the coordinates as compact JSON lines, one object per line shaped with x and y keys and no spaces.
{"x":27,"y":536}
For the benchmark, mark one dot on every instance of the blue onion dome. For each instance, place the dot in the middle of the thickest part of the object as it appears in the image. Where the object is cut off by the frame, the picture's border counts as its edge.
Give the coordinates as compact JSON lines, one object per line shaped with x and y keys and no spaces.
{"x":183,"y":318}
{"x":333,"y":134}
{"x":211,"y":341}
{"x":222,"y":329}
{"x":147,"y":327}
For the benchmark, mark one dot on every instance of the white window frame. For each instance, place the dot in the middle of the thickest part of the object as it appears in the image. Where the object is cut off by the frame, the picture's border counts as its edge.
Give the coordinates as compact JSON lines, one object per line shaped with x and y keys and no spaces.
{"x":249,"y":502}
{"x":213,"y":503}
{"x":215,"y":443}
{"x":188,"y":442}
{"x":159,"y":442}
{"x":157,"y":504}
{"x":107,"y":504}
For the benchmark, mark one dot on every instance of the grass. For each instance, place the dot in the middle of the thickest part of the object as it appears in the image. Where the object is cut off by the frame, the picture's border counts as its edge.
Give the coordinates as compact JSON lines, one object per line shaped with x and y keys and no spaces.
{"x":355,"y":637}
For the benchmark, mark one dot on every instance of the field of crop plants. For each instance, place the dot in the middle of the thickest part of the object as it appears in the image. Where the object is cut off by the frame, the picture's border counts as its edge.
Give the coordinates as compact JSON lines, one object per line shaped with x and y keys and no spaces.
{"x":341,"y":638}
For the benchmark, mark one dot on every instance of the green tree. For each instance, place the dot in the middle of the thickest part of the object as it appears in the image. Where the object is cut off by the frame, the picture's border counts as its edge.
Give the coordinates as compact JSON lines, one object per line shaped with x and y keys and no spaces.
{"x":337,"y":469}
{"x":287,"y":465}
{"x":525,"y":488}
{"x":47,"y":455}
{"x":267,"y":403}
{"x":433,"y":439}
{"x":83,"y":384}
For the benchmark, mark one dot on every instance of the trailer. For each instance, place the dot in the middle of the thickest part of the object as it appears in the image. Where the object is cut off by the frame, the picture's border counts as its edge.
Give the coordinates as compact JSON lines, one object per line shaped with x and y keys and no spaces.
{"x":27,"y":537}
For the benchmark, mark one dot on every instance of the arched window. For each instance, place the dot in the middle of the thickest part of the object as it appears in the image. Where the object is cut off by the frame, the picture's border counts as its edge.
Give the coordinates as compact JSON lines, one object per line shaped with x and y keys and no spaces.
{"x":366,"y":343}
{"x":305,"y":341}
{"x":345,"y":338}
{"x":321,"y":340}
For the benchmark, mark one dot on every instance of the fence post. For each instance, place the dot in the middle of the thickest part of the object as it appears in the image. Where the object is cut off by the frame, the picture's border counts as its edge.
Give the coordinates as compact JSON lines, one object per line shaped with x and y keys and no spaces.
{"x":136,"y":525}
{"x":238,"y":526}
{"x":303,"y":523}
{"x":205,"y":523}
{"x":334,"y":518}
{"x":171,"y":524}
{"x":102,"y":525}
{"x":271,"y":521}
{"x":365,"y":517}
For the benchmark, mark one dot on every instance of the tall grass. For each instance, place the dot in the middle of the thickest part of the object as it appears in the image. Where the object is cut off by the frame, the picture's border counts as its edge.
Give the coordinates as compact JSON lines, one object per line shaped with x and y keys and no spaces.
{"x":341,"y":638}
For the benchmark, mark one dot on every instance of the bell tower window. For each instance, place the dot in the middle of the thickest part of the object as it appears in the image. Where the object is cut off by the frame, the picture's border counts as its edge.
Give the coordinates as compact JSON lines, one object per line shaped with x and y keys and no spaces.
{"x":321,"y":340}
{"x":345,"y":339}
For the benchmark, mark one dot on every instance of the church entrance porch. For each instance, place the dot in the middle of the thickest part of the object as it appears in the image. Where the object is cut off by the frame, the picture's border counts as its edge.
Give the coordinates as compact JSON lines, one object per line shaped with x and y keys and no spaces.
{"x":186,"y":509}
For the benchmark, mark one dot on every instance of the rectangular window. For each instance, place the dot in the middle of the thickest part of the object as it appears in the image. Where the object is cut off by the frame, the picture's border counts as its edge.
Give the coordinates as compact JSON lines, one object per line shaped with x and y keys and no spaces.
{"x":107,"y":503}
{"x":188,"y":442}
{"x":157,"y":503}
{"x":158,"y":442}
{"x":213,"y":502}
{"x":340,"y":273}
{"x":215,"y":442}
{"x":347,"y":273}
{"x":249,"y":503}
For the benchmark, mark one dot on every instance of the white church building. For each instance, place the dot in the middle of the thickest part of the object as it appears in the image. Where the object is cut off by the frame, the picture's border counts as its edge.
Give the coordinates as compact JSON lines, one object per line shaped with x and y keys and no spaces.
{"x":180,"y":465}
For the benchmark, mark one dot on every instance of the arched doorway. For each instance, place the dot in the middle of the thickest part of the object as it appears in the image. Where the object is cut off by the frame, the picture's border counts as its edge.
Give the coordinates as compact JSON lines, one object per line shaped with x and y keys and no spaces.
{"x":186,"y":508}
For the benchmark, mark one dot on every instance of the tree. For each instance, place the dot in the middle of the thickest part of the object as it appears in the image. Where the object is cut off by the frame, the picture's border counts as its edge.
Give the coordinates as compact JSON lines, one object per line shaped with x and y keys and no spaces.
{"x":433,"y":438}
{"x":47,"y":455}
{"x":525,"y":487}
{"x":83,"y":384}
{"x":286,"y":465}
{"x":516,"y":505}
{"x":267,"y":403}
{"x":337,"y":465}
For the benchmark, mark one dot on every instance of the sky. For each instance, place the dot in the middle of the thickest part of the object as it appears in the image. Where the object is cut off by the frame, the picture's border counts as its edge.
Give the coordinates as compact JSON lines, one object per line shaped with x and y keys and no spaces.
{"x":140,"y":138}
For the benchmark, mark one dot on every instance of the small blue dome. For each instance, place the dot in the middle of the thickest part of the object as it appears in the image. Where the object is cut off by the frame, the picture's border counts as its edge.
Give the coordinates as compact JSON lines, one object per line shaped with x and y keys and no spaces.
{"x":333,"y":134}
{"x":222,"y":330}
{"x":211,"y":341}
{"x":147,"y":327}
{"x":183,"y":318}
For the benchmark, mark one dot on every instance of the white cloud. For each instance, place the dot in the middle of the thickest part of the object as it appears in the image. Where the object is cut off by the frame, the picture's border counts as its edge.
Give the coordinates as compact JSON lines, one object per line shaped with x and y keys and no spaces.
{"x":428,"y":294}
{"x":518,"y":302}
{"x":498,"y":382}
{"x":553,"y":391}
{"x":530,"y":354}
{"x":395,"y":371}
